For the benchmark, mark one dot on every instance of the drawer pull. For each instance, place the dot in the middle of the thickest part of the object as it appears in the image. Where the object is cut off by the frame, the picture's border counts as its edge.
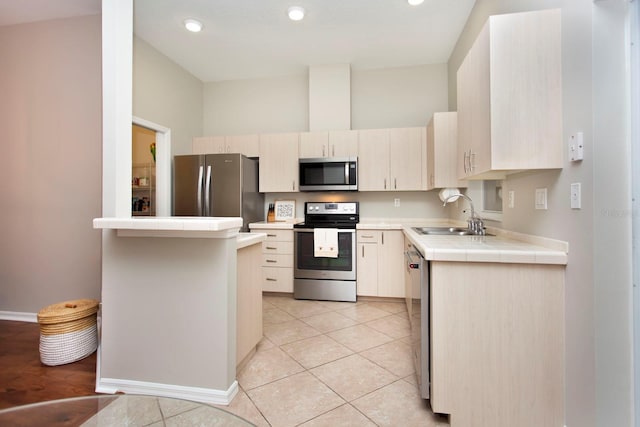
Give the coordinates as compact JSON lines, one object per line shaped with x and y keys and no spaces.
{"x":269,"y":279}
{"x":271,"y":235}
{"x":272,"y":260}
{"x":271,"y":247}
{"x":367,"y":236}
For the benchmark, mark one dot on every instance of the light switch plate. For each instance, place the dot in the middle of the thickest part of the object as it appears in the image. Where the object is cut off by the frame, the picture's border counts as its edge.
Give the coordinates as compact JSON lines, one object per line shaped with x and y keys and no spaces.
{"x":511,"y":202}
{"x":541,"y":198}
{"x":576,"y":196}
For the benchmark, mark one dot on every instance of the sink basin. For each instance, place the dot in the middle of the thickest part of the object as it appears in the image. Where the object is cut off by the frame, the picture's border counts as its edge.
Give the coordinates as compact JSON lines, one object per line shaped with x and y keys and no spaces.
{"x":444,"y":231}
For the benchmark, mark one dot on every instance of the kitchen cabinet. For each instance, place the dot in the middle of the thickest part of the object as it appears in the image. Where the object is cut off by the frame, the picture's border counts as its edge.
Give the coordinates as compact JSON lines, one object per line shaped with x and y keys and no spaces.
{"x":277,"y":261}
{"x":380,"y":263}
{"x":244,"y":144}
{"x":509,"y":97}
{"x":442,"y":155}
{"x":392,"y":159}
{"x":497,"y":343}
{"x":249,"y":301}
{"x":340,"y":143}
{"x":279,"y":163}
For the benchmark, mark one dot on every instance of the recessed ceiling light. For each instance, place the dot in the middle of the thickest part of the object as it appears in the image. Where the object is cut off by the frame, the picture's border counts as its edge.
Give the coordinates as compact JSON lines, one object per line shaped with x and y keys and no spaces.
{"x":193,"y":25}
{"x":296,"y":13}
{"x":415,"y":2}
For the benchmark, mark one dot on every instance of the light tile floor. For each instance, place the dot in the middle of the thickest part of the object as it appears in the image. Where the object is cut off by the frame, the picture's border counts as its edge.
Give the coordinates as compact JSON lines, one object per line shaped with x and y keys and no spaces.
{"x":332,"y":364}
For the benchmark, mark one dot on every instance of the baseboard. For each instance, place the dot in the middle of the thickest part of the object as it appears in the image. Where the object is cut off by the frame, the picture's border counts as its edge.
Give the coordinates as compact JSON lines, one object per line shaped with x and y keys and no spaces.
{"x":17,"y":316}
{"x":196,"y":394}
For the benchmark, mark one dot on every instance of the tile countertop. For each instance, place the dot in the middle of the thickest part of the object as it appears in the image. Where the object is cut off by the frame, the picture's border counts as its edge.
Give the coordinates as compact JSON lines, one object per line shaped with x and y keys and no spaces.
{"x":172,"y":226}
{"x":504,"y":247}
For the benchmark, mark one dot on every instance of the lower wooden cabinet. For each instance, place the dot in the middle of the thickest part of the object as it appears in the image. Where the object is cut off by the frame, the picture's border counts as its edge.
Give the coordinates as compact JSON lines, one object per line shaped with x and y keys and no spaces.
{"x":249,"y":301}
{"x":497,"y":343}
{"x":277,"y":261}
{"x":380,"y":263}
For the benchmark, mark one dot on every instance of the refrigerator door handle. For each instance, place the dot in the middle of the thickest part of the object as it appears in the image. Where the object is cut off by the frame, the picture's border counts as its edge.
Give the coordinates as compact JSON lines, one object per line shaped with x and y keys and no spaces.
{"x":207,"y":190}
{"x":200,"y":177}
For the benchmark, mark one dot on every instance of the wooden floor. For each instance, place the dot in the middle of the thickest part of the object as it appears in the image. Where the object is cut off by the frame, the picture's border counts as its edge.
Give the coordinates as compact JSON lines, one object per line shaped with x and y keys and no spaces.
{"x":24,"y":379}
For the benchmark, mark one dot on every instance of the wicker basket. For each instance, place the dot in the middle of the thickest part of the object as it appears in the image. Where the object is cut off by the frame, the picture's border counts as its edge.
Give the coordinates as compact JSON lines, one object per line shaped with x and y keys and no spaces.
{"x":68,"y":331}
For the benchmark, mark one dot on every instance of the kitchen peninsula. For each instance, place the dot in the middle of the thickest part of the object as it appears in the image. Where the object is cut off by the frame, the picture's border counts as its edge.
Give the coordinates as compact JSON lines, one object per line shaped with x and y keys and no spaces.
{"x":169,"y":306}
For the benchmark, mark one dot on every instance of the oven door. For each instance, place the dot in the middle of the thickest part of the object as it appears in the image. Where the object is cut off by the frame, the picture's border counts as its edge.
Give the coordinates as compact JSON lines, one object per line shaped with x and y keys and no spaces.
{"x":307,"y":266}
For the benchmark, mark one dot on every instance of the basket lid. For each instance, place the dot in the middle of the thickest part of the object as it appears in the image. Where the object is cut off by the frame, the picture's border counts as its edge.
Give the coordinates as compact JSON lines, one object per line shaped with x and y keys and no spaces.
{"x":67,"y":311}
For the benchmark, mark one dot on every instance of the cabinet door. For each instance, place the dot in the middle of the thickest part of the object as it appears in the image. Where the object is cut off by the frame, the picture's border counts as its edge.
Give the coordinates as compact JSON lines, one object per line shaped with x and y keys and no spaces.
{"x":464,"y":96}
{"x":480,"y":159}
{"x":207,"y":145}
{"x":343,"y":143}
{"x":407,"y":149}
{"x":367,"y":268}
{"x":278,"y":163}
{"x":391,"y":264}
{"x":314,"y":144}
{"x":373,"y":160}
{"x":249,"y":145}
{"x":442,"y":155}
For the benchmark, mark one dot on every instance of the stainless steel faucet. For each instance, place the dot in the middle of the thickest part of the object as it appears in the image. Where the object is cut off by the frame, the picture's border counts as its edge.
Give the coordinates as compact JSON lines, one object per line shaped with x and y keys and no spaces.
{"x":475,"y":223}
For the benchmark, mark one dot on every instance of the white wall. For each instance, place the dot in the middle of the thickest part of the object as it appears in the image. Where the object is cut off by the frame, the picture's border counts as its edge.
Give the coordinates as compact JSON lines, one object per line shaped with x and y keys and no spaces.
{"x":597,"y":298}
{"x":279,"y":104}
{"x":166,"y":94}
{"x":397,"y":97}
{"x":50,"y":168}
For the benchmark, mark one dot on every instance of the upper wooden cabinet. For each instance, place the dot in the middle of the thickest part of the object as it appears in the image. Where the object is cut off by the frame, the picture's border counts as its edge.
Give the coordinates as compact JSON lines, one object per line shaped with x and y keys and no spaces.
{"x":442,"y":155}
{"x":392,"y":159}
{"x":244,"y":144}
{"x":510,"y":97}
{"x":342,"y":143}
{"x":278,"y":163}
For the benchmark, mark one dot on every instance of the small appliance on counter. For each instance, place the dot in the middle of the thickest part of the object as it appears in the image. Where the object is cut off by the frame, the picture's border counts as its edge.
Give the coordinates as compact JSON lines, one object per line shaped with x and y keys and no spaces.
{"x":217,"y":185}
{"x":331,"y":276}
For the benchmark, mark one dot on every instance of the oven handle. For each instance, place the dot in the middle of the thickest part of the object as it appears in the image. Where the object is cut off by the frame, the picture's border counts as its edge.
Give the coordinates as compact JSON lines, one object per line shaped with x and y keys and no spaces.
{"x":310,"y":230}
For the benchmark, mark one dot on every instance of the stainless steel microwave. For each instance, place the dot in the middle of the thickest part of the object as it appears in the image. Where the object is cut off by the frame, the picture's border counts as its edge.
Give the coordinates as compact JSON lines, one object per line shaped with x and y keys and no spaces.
{"x":329,"y":174}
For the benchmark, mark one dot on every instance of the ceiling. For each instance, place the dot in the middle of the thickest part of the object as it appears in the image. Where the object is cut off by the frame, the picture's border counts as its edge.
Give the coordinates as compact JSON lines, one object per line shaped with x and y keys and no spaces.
{"x":244,"y":39}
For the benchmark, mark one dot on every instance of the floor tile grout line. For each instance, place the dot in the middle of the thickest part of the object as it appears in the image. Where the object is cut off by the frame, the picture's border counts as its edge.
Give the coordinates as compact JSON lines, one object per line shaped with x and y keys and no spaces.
{"x":297,"y":315}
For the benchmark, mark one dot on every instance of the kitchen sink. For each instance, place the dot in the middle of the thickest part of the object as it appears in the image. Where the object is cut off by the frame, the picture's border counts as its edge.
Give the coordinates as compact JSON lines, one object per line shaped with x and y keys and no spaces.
{"x":444,"y":231}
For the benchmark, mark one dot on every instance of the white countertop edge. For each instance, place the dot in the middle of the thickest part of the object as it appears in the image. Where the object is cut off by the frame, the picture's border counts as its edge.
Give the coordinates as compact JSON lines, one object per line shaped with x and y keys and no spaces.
{"x":175,"y":224}
{"x":250,"y":239}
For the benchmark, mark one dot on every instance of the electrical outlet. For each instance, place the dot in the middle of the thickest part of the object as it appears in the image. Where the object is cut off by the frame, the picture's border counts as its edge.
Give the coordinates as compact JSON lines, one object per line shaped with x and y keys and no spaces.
{"x":396,"y":203}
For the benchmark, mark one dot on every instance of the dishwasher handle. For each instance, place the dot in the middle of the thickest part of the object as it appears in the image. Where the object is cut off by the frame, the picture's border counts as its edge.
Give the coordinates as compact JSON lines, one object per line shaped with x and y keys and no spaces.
{"x":411,"y":262}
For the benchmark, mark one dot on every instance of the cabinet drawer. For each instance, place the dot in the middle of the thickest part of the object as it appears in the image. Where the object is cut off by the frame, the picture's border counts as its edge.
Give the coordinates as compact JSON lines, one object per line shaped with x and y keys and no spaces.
{"x":279,"y":235}
{"x":367,"y":236}
{"x":275,"y":247}
{"x":274,"y":260}
{"x":276,"y":279}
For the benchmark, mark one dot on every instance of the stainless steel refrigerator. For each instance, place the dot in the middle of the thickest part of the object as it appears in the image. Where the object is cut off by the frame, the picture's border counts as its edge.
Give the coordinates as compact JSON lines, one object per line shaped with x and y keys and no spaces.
{"x":217,"y":185}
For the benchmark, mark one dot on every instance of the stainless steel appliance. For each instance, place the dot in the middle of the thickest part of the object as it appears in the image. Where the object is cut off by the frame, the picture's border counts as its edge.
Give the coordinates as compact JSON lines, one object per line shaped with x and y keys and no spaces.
{"x":418,"y":271}
{"x":329,"y":174}
{"x":326,"y":278}
{"x":217,"y":185}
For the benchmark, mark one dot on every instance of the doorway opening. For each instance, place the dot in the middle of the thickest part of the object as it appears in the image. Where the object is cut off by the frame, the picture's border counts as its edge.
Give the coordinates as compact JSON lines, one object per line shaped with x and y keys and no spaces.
{"x":151,"y":165}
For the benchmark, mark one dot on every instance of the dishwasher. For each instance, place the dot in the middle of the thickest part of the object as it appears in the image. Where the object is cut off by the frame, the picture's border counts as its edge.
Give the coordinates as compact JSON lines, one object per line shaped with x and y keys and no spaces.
{"x":417,"y":269}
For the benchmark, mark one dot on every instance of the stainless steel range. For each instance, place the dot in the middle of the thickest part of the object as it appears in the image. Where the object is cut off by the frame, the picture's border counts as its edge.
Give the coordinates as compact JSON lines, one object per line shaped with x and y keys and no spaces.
{"x":325,"y":277}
